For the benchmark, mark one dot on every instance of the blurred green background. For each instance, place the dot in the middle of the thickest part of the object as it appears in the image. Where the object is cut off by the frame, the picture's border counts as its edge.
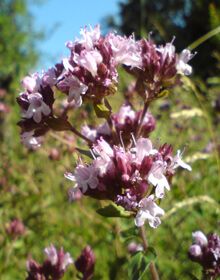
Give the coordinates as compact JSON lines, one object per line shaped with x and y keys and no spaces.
{"x":33,"y":188}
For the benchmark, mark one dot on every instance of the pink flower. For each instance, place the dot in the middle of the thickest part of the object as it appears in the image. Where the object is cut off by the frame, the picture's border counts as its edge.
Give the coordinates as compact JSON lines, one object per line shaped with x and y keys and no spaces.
{"x":125,"y":50}
{"x":84,"y":176}
{"x":144,"y":148}
{"x":148,"y":210}
{"x":195,"y":250}
{"x":75,"y":88}
{"x":88,"y":60}
{"x":49,"y":77}
{"x":125,"y":113}
{"x":103,"y":149}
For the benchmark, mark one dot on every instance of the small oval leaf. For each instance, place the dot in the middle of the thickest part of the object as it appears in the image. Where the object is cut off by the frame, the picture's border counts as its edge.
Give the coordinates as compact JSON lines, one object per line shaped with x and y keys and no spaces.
{"x":113,"y":210}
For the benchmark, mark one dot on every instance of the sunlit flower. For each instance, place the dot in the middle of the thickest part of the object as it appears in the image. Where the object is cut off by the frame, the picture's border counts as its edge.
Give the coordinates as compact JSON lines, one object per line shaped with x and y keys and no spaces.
{"x":149,"y":211}
{"x":182,"y":66}
{"x":37,"y":107}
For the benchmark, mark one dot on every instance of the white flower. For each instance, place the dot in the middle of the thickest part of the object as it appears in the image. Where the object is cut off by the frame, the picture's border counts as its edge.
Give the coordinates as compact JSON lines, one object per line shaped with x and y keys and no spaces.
{"x":84,"y":176}
{"x":144,"y":148}
{"x":177,"y":161}
{"x":89,"y":37}
{"x":67,"y":65}
{"x":37,"y":107}
{"x":167,"y":51}
{"x":67,"y":260}
{"x":51,"y":254}
{"x":157,"y":178}
{"x":88,"y":132}
{"x":199,"y":238}
{"x":182,"y":66}
{"x":150,"y":211}
{"x":29,"y":140}
{"x":103,"y":149}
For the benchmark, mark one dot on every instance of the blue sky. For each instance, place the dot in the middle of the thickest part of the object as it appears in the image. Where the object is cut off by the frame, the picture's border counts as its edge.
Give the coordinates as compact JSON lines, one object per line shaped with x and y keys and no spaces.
{"x":67,"y":16}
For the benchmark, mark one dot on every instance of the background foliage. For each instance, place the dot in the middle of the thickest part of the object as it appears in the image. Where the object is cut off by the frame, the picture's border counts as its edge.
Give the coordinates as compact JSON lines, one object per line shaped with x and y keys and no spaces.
{"x":32,"y":186}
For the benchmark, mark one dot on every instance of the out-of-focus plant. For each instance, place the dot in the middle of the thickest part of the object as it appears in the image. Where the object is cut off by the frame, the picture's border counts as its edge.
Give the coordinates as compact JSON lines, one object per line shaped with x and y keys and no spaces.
{"x":18,"y":39}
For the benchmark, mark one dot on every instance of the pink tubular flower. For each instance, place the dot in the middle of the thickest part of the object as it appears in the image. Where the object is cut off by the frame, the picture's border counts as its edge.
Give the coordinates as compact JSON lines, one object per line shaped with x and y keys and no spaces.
{"x":125,"y":50}
{"x":84,"y":176}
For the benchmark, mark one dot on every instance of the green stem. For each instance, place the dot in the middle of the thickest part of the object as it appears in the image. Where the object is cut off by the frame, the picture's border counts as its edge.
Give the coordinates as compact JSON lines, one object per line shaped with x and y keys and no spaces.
{"x":146,"y":105}
{"x":76,"y":132}
{"x":153,"y":269}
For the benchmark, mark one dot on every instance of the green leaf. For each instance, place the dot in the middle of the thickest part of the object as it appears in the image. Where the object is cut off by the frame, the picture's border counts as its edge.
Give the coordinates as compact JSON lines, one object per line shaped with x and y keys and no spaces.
{"x":113,"y":210}
{"x":129,"y":233}
{"x":85,"y":152}
{"x":139,"y":264}
{"x":58,"y":124}
{"x":102,"y":111}
{"x":204,"y":38}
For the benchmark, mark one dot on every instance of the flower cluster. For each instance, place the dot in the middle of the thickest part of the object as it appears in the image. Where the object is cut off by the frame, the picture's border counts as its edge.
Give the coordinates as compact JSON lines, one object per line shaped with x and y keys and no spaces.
{"x":90,"y":73}
{"x":53,"y":267}
{"x":205,"y":250}
{"x":15,"y":228}
{"x":85,"y":263}
{"x":134,"y":178}
{"x":125,"y":167}
{"x":161,"y":68}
